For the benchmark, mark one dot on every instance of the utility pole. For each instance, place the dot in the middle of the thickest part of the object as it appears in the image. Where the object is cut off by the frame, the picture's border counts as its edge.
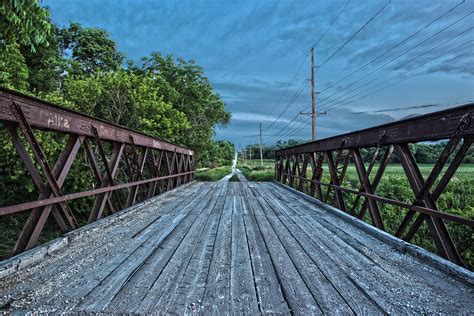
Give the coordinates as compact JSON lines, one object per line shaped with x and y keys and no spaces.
{"x":261,"y":146}
{"x":313,"y":111}
{"x":250,"y":153}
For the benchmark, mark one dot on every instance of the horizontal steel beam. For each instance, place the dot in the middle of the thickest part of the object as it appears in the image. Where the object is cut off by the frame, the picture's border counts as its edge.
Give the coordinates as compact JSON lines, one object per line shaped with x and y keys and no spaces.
{"x":421,"y":209}
{"x":430,"y":127}
{"x":47,"y":116}
{"x":73,"y":196}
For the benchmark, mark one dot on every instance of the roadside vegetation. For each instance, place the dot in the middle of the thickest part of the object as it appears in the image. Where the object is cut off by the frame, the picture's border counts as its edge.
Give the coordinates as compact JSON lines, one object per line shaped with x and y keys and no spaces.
{"x":212,"y":174}
{"x":253,"y":170}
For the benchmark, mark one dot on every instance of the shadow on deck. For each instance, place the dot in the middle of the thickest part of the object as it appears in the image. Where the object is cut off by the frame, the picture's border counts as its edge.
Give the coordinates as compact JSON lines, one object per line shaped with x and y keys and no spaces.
{"x":233,"y":247}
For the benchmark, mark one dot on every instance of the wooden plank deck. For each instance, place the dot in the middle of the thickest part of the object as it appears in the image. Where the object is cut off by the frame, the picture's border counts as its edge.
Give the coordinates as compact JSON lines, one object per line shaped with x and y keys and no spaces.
{"x":236,"y":248}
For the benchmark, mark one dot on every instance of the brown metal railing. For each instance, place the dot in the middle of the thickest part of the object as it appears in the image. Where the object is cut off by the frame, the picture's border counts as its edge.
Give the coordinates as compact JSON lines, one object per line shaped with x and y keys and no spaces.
{"x":148,"y":166}
{"x":301,"y":167}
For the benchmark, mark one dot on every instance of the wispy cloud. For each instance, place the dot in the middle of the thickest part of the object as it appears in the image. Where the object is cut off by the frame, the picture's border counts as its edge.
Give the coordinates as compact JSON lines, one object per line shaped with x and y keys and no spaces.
{"x":255,"y":117}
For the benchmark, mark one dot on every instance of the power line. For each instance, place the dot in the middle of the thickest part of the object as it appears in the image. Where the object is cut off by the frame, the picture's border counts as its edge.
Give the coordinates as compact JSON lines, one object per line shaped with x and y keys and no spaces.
{"x":331,"y":103}
{"x":297,"y":129}
{"x":403,"y":80}
{"x":301,"y":66}
{"x":424,"y":106}
{"x":292,"y":100}
{"x":294,"y":125}
{"x":286,"y":126}
{"x":347,"y":101}
{"x":392,"y":60}
{"x":296,"y":120}
{"x":341,"y":47}
{"x":395,"y":46}
{"x":287,"y":87}
{"x":330,"y":25}
{"x":354,"y":35}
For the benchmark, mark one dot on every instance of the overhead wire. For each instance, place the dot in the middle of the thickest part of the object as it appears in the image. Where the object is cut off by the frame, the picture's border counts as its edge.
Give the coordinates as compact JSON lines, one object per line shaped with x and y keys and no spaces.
{"x":331,"y":24}
{"x":325,"y":100}
{"x":413,"y":107}
{"x":353,"y":35}
{"x":284,"y":93}
{"x":293,"y":99}
{"x":294,"y":125}
{"x":403,"y":80}
{"x":329,"y":105}
{"x":394,"y":47}
{"x":301,"y":66}
{"x":343,"y":45}
{"x":296,"y":128}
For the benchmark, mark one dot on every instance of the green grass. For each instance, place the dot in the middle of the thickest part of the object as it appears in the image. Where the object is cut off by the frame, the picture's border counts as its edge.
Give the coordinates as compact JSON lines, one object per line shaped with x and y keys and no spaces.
{"x":212,"y":174}
{"x":257,"y":173}
{"x":234,"y":178}
{"x":254,"y":170}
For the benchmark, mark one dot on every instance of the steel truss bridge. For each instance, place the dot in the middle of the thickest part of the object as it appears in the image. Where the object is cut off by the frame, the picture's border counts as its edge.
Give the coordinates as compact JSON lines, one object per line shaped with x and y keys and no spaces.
{"x":153,"y":240}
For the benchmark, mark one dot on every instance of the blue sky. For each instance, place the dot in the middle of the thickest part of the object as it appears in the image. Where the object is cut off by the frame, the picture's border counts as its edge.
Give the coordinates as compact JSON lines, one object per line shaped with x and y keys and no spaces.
{"x":251,"y":51}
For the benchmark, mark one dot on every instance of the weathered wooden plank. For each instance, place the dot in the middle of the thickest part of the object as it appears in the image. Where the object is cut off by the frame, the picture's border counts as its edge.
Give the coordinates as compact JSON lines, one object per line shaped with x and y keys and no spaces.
{"x":242,"y":289}
{"x":294,"y":288}
{"x":246,"y":209}
{"x":188,"y":296}
{"x":344,"y":233}
{"x":216,"y":298}
{"x":246,"y":191}
{"x":363,"y":270}
{"x":323,"y":291}
{"x":368,"y":260}
{"x":159,"y":294}
{"x":269,"y":292}
{"x":132,"y":273}
{"x":220,"y":248}
{"x":347,"y":292}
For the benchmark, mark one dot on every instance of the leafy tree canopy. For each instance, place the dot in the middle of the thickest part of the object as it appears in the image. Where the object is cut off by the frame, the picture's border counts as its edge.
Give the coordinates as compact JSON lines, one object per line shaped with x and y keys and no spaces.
{"x":90,"y":49}
{"x":24,"y":22}
{"x":80,"y":67}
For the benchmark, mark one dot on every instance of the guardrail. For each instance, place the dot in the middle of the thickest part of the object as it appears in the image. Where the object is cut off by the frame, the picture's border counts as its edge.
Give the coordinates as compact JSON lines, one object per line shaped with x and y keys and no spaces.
{"x":301,"y":167}
{"x":126,"y":166}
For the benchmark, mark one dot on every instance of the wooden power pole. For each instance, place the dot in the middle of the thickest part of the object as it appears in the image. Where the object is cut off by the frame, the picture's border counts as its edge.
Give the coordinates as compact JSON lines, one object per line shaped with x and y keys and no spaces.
{"x":313,"y":111}
{"x":261,"y":146}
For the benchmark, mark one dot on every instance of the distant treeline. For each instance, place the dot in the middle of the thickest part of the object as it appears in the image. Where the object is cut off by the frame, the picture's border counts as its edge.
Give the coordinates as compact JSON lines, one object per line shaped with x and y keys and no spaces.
{"x":423,"y":152}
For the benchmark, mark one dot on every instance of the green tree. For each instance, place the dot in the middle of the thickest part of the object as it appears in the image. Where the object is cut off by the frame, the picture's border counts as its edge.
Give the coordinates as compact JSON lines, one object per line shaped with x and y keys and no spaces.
{"x":89,"y":50}
{"x":46,"y":64}
{"x":13,"y":69}
{"x":191,"y":93}
{"x":220,"y":154}
{"x":24,"y":22}
{"x":128,"y":99}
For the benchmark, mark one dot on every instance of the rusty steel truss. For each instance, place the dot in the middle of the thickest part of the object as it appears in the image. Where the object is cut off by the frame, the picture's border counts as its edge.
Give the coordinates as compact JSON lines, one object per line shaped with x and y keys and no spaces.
{"x":455,"y":126}
{"x":150,"y":165}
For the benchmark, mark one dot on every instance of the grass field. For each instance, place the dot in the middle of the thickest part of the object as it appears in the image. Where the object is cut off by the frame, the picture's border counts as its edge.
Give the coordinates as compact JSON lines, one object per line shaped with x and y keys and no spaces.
{"x":212,"y":174}
{"x":458,"y":199}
